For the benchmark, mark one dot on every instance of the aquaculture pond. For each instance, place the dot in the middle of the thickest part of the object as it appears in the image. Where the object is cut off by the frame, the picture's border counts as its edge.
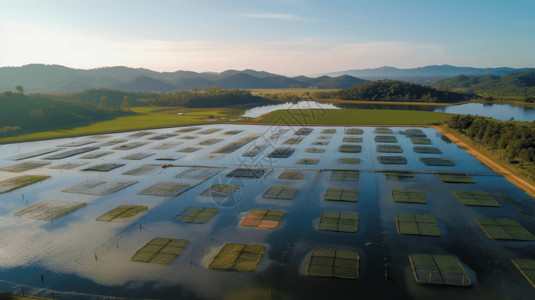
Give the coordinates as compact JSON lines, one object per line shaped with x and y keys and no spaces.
{"x":237,"y":212}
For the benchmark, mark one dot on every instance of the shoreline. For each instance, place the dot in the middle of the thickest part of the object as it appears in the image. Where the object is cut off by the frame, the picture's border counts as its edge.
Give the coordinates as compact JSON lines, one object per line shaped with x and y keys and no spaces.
{"x":499,"y":167}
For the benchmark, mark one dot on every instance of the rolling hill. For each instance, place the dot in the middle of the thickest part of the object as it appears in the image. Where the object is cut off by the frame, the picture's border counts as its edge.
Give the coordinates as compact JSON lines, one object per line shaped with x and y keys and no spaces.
{"x":59,"y":79}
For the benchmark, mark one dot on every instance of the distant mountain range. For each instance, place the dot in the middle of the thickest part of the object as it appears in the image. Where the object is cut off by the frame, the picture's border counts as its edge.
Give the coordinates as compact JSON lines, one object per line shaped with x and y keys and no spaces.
{"x":60,"y":79}
{"x":423,"y":74}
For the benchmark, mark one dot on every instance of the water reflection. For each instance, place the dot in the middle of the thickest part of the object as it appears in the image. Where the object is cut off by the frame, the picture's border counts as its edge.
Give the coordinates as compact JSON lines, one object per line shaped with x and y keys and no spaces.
{"x":502,"y":112}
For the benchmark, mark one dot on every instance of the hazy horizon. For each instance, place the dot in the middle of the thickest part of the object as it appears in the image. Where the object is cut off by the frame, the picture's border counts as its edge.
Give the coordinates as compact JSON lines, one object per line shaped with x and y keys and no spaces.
{"x":283,"y":37}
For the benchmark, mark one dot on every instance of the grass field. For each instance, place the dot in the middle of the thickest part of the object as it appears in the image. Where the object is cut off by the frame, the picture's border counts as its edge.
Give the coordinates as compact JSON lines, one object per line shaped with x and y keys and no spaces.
{"x":145,"y":118}
{"x":352,"y":116}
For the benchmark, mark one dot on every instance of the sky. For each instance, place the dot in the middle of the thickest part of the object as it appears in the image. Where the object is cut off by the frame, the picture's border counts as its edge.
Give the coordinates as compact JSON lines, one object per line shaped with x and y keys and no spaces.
{"x":288,"y":37}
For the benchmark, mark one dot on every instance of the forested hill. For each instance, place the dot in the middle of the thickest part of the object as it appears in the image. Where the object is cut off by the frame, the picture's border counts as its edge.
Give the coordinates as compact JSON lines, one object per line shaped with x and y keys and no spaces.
{"x":394,"y":90}
{"x":513,"y":84}
{"x":21,"y":114}
{"x":215,"y":97}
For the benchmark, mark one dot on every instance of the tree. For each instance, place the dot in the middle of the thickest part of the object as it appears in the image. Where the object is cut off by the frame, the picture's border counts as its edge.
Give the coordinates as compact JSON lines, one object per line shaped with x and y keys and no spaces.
{"x":20,"y":89}
{"x":102,"y":103}
{"x":126,"y":104}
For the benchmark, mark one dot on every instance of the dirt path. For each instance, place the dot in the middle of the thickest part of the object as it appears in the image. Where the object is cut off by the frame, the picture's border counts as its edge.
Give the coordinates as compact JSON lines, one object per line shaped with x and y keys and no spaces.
{"x":497,"y":167}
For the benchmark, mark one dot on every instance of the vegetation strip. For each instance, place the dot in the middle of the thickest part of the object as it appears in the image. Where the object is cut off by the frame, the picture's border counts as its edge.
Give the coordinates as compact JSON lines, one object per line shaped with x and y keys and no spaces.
{"x":12,"y":184}
{"x":238,"y":257}
{"x":122,"y":212}
{"x":342,"y":264}
{"x":417,"y":225}
{"x":196,"y":215}
{"x":504,"y":229}
{"x":160,"y":251}
{"x":49,"y":210}
{"x":438,"y":269}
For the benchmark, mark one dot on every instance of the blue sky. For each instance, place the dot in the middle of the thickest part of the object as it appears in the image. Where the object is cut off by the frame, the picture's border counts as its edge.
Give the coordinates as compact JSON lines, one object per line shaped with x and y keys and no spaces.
{"x":286,"y":37}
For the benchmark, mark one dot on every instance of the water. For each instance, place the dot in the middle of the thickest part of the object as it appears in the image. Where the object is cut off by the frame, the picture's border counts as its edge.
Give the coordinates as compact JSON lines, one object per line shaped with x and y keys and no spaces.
{"x":502,"y":112}
{"x":86,"y":259}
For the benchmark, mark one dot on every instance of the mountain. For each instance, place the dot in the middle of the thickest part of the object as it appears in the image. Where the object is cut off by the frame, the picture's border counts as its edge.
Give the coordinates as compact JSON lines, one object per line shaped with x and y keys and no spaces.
{"x":423,"y":74}
{"x":512,"y":84}
{"x":395,"y":90}
{"x":59,"y":79}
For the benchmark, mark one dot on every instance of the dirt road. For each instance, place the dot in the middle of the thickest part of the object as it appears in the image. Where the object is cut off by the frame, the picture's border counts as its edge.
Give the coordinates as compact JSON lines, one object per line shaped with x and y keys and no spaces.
{"x":495,"y":166}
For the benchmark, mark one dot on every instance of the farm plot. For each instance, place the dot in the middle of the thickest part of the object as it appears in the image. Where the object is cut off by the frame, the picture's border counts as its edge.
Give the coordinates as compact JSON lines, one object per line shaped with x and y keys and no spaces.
{"x":476,"y":198}
{"x":255,"y":150}
{"x":70,"y":153}
{"x":25,"y":166}
{"x":165,"y":189}
{"x":202,"y":173}
{"x":165,"y":146}
{"x":408,"y":196}
{"x":293,"y":141}
{"x":196,"y":215}
{"x":328,"y":131}
{"x":247,"y":173}
{"x":187,"y":129}
{"x":77,"y":143}
{"x":383,"y":130}
{"x":385,"y":139}
{"x":138,"y":156}
{"x":33,"y":154}
{"x":392,"y":160}
{"x":139,"y":134}
{"x":342,"y":264}
{"x":339,"y":221}
{"x":19,"y":182}
{"x":231,"y":147}
{"x":420,"y":140}
{"x":160,"y":251}
{"x":314,"y":150}
{"x":346,"y":195}
{"x":348,"y":161}
{"x":210,"y":131}
{"x":262,"y":219}
{"x":95,"y":155}
{"x":99,"y":187}
{"x":103,"y":167}
{"x":426,"y":150}
{"x":389,"y":149}
{"x":292,"y":175}
{"x":232,"y":132}
{"x":209,"y":142}
{"x":350,"y":148}
{"x":344,"y":175}
{"x":281,"y":153}
{"x":320,"y":143}
{"x":220,"y":190}
{"x":130,"y":146}
{"x":162,"y":136}
{"x":504,"y":229}
{"x":189,"y":149}
{"x":111,"y":142}
{"x":143,"y":170}
{"x":238,"y":257}
{"x":353,"y":131}
{"x":67,"y":165}
{"x":413,"y":133}
{"x":399,"y":175}
{"x":437,"y":161}
{"x":438,"y":269}
{"x":307,"y":161}
{"x":49,"y":210}
{"x":280,"y":192}
{"x":188,"y":137}
{"x":417,"y":225}
{"x":454,"y":177}
{"x":303,"y":131}
{"x":526,"y":268}
{"x":122,"y":213}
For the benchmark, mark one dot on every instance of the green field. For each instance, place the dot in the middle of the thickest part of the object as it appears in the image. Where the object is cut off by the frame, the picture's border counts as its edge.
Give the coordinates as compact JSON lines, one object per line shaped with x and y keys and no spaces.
{"x":352,"y":116}
{"x":145,"y":118}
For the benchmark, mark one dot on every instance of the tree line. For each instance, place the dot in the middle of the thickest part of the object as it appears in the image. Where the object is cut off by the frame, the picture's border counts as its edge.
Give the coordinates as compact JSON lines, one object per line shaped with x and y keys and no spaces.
{"x":514,"y":140}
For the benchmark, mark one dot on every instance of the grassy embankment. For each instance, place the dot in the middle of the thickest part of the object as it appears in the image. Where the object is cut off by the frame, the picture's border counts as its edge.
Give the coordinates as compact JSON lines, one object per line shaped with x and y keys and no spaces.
{"x":351,"y":117}
{"x":145,"y":118}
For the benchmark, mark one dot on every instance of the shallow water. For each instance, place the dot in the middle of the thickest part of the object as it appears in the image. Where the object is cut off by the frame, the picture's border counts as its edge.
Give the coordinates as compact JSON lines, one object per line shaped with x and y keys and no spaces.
{"x":502,"y":112}
{"x":82,"y":258}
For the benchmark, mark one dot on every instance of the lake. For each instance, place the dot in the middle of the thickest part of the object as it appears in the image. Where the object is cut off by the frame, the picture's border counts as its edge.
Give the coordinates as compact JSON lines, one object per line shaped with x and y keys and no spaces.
{"x":497,"y":111}
{"x":168,"y":171}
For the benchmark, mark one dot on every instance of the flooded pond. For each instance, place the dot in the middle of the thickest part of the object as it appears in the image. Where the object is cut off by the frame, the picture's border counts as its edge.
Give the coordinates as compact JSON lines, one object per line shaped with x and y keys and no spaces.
{"x":502,"y":112}
{"x":234,"y":211}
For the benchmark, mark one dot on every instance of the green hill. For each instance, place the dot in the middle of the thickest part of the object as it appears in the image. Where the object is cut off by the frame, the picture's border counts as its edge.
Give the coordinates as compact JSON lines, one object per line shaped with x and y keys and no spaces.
{"x":394,"y":90}
{"x":513,"y":84}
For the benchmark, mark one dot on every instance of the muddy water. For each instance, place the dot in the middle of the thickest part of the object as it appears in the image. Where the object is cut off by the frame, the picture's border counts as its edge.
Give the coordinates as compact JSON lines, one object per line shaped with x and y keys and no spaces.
{"x":82,"y":258}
